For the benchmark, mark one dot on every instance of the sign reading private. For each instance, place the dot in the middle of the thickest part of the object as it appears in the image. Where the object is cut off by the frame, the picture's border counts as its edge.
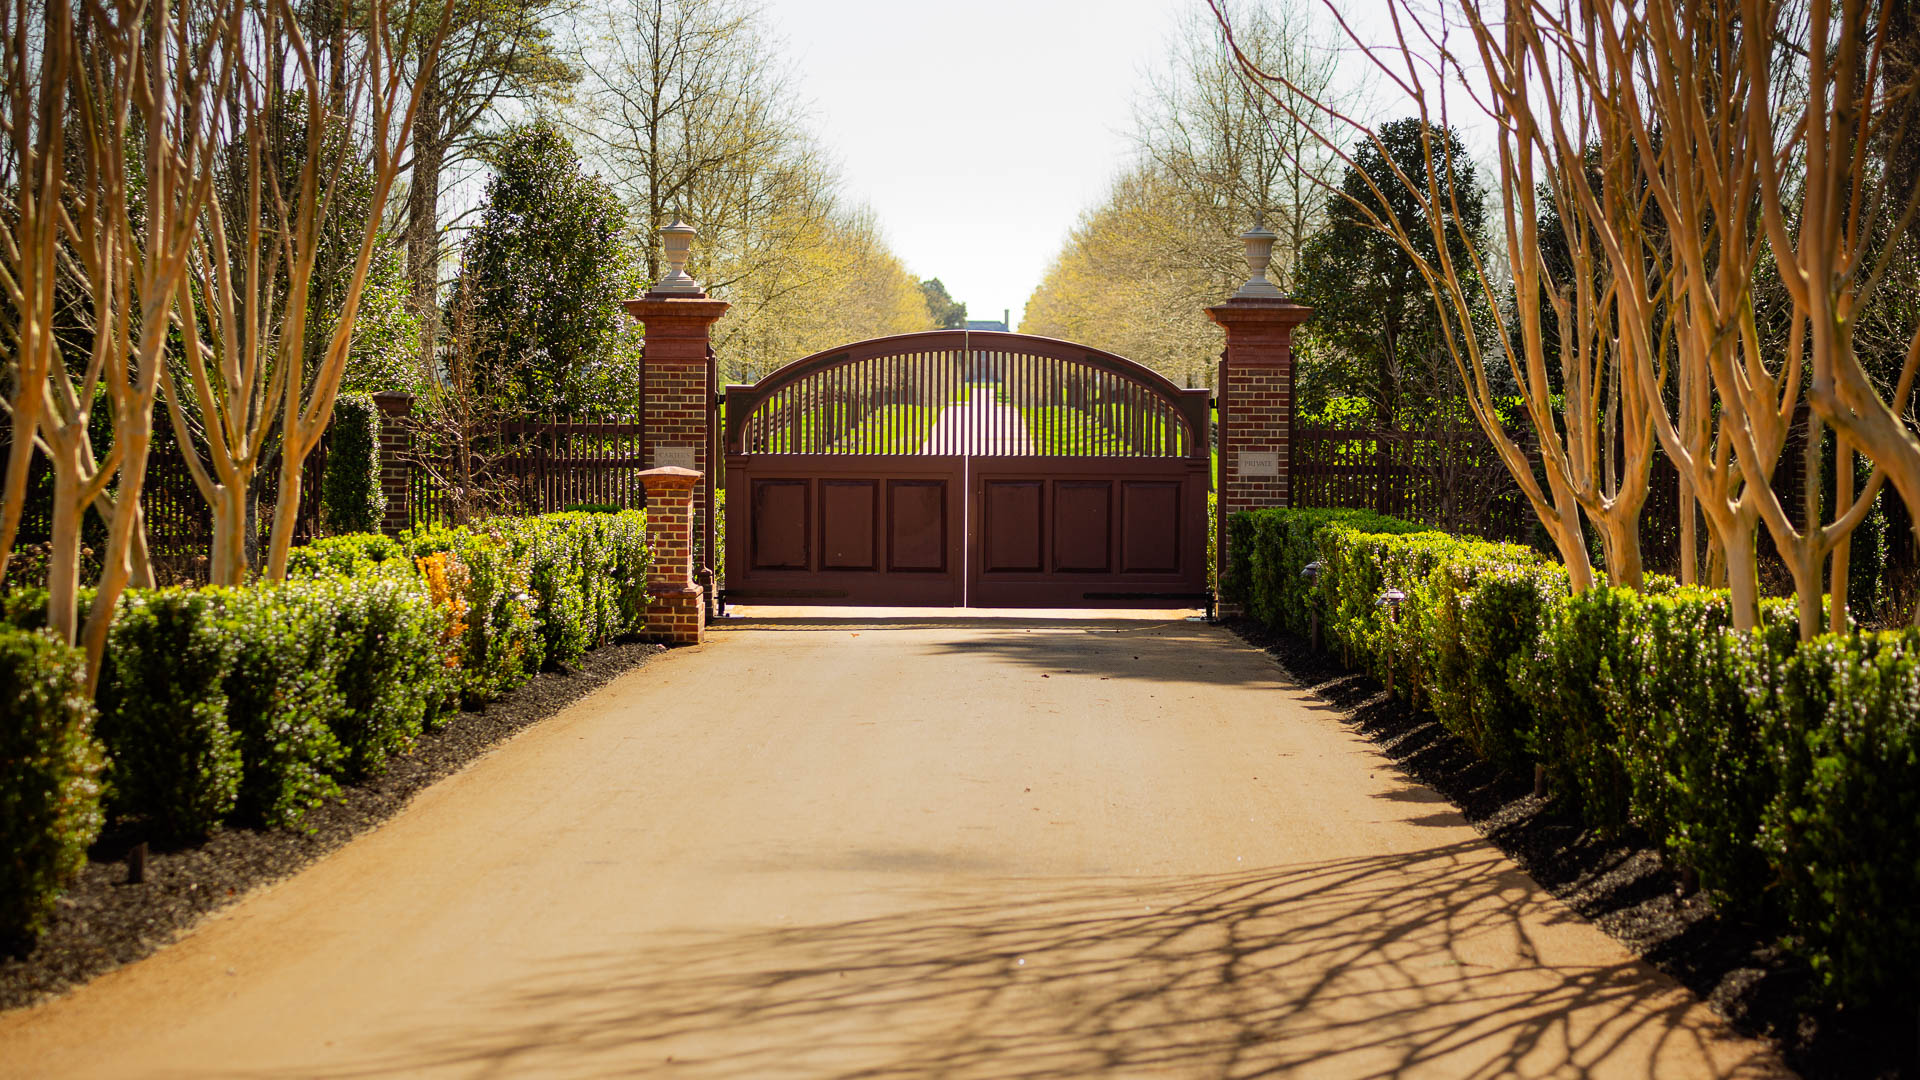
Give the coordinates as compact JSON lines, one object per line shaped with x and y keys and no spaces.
{"x":1260,"y":464}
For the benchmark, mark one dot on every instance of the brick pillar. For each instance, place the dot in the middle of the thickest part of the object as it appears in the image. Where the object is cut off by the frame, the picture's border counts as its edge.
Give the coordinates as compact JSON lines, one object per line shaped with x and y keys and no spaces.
{"x":396,"y":443}
{"x":678,"y":362}
{"x":677,"y":614}
{"x":1256,"y":405}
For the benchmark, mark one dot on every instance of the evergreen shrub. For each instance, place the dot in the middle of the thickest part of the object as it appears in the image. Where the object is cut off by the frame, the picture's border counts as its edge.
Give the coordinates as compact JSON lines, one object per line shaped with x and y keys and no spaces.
{"x":351,"y":499}
{"x":1786,"y":775}
{"x":50,"y":766}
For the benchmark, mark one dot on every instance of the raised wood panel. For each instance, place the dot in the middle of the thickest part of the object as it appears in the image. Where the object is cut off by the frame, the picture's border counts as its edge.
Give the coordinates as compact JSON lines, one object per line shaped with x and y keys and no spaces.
{"x":780,"y":525}
{"x":1150,"y":526}
{"x":849,"y":524}
{"x":1082,"y":526}
{"x":1012,"y":529}
{"x":917,"y":526}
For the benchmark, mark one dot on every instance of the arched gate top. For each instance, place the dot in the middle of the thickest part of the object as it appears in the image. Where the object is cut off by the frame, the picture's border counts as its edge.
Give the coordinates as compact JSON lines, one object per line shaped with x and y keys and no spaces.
{"x":982,"y":393}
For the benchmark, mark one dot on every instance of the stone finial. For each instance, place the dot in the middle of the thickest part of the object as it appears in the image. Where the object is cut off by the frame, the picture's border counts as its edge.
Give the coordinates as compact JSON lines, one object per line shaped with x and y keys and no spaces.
{"x":677,"y":240}
{"x":1259,"y":241}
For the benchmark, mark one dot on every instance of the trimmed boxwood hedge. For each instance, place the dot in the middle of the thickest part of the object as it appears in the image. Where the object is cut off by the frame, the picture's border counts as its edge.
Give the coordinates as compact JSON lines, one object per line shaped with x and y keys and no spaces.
{"x":1786,"y":775}
{"x":50,"y":767}
{"x":351,"y":499}
{"x":252,"y":705}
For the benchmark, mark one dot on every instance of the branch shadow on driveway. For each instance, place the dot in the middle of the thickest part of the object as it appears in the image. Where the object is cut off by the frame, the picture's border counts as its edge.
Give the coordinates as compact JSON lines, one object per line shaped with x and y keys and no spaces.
{"x":1385,"y":966}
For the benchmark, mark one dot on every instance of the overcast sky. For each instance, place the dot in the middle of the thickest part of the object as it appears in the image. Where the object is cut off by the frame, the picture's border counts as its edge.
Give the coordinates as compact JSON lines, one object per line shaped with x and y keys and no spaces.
{"x":978,"y":132}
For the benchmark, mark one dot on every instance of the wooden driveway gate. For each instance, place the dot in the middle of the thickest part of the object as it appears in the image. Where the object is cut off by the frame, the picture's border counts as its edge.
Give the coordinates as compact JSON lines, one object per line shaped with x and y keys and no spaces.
{"x":958,"y":468}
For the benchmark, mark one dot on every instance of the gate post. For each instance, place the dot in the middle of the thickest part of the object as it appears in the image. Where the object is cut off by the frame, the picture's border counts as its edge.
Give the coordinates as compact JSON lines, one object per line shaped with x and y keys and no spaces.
{"x":677,"y":376}
{"x":1255,"y":393}
{"x":676,"y":614}
{"x":396,"y":442}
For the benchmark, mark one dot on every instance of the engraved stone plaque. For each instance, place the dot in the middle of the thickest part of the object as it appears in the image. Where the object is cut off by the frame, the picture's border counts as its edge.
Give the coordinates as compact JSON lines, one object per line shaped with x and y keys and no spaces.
{"x":1259,"y":464}
{"x":677,"y":457}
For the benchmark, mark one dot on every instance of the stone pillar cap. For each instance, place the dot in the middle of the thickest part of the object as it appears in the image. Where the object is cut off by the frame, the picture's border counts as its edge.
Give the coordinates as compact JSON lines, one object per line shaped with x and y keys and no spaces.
{"x":669,"y":476}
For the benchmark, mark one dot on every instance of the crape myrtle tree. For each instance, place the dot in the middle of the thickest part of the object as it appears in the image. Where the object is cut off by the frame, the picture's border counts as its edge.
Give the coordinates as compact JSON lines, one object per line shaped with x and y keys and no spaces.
{"x":1759,"y":129}
{"x":247,"y":374}
{"x":89,"y":92}
{"x":541,"y":279}
{"x":1373,"y":310}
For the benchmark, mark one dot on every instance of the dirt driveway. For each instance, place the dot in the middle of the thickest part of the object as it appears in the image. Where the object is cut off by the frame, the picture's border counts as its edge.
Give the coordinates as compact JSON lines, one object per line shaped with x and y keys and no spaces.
{"x":909,"y":847}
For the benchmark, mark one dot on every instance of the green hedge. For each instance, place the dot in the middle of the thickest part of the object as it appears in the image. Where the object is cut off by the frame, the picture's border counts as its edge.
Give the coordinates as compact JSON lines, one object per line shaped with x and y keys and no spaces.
{"x":252,"y":704}
{"x":351,"y":499}
{"x":249,"y":704}
{"x":50,"y":767}
{"x":533,"y":593}
{"x":1786,"y":775}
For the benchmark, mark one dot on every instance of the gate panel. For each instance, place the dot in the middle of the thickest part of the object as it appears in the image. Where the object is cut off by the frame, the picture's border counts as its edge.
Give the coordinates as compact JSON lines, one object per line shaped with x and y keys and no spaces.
{"x":865,"y":529}
{"x":1102,"y":532}
{"x":955,"y":467}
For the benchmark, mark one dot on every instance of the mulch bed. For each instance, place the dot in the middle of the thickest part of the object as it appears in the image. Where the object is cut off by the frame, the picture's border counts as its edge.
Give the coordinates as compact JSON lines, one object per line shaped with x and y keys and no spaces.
{"x":102,"y":922}
{"x":1622,"y":885}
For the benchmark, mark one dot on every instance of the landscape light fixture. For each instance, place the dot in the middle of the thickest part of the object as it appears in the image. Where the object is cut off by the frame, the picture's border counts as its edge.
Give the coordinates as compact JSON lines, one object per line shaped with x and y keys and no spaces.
{"x":1391,"y":601}
{"x":1311,"y":572}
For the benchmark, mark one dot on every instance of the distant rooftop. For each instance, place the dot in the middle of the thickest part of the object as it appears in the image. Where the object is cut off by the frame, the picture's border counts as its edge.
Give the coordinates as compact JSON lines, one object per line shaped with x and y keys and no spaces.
{"x":987,"y":324}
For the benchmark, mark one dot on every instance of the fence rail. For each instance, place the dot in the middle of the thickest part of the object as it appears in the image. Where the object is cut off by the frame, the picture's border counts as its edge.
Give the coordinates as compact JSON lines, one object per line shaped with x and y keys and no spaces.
{"x":1453,"y":479}
{"x":535,"y":466}
{"x":1449,"y":478}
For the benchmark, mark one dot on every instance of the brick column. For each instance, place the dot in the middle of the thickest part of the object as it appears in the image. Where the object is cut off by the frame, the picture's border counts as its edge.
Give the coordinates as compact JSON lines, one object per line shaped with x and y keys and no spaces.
{"x":678,"y":363}
{"x":677,"y":614}
{"x":396,"y":443}
{"x":1256,"y":405}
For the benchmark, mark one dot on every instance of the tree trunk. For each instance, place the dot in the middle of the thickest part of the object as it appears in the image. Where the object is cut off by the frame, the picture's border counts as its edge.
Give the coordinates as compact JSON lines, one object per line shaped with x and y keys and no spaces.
{"x":423,"y":220}
{"x":63,"y":561}
{"x":1620,"y":536}
{"x":1743,"y":570}
{"x":1689,"y":534}
{"x":123,"y":529}
{"x":229,"y":533}
{"x":286,"y":509}
{"x":1840,"y":619}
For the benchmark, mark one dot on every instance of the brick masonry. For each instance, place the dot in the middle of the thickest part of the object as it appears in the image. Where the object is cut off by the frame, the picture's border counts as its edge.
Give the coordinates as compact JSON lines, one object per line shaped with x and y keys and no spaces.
{"x":1256,"y":405}
{"x":678,"y":614}
{"x":396,"y":442}
{"x":680,"y":379}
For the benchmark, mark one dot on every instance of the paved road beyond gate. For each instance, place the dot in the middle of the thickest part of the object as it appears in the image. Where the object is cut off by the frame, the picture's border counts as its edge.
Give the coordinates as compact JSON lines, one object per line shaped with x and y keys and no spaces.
{"x":956,"y":468}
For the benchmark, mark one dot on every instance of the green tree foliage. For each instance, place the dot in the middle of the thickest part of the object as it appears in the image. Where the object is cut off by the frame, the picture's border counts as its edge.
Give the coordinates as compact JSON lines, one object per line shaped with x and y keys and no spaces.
{"x":542,"y":276}
{"x":1384,"y":337}
{"x":496,"y":51}
{"x":948,"y":313}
